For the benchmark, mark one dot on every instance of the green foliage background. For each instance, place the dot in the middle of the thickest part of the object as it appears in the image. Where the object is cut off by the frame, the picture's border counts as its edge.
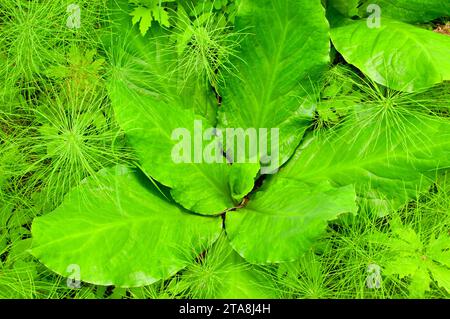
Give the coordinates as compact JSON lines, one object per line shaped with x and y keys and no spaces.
{"x":365,"y":149}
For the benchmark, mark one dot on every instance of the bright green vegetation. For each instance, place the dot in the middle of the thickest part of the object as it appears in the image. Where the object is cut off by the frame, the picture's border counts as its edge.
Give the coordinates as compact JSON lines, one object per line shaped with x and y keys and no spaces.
{"x":93,"y":205}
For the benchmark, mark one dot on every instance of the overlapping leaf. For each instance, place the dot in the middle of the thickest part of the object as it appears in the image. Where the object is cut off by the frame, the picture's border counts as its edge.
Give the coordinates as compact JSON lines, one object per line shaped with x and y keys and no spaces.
{"x":117,"y":230}
{"x":411,"y":10}
{"x":410,"y":257}
{"x":418,"y":60}
{"x":283,"y":219}
{"x":395,"y":161}
{"x":153,"y":109}
{"x":286,"y":48}
{"x":200,"y":186}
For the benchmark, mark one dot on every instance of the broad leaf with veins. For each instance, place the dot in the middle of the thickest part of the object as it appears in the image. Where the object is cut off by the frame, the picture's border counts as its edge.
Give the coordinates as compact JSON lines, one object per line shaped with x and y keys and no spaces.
{"x":397,"y":162}
{"x":417,"y":61}
{"x":284,"y":218}
{"x":286,"y":49}
{"x":120,"y":231}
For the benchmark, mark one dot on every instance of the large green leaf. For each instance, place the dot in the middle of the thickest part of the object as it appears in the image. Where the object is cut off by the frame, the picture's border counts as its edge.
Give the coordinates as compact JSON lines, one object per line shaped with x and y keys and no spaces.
{"x":285,"y":49}
{"x":206,"y":188}
{"x":116,"y":229}
{"x":283,"y":219}
{"x":418,"y":60}
{"x":411,"y":10}
{"x":152,"y":104}
{"x":394,"y":161}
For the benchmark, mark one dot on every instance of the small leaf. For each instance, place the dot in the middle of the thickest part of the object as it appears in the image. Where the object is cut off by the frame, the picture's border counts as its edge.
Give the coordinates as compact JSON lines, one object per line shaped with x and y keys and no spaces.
{"x":144,"y":17}
{"x":441,"y":275}
{"x":439,"y":249}
{"x":402,"y":264}
{"x":162,"y":16}
{"x":420,"y":283}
